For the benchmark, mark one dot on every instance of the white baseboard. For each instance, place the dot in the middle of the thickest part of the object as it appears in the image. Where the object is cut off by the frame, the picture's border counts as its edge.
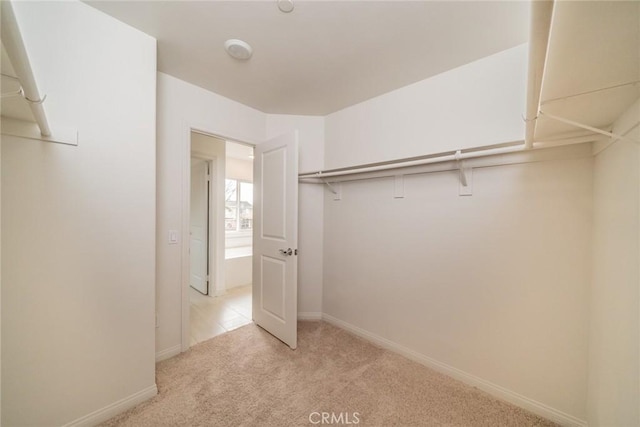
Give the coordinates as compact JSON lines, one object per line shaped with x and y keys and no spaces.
{"x":230,"y":287}
{"x":493,"y":389}
{"x":309,"y":315}
{"x":217,"y":292}
{"x":168,"y":353}
{"x":110,"y":411}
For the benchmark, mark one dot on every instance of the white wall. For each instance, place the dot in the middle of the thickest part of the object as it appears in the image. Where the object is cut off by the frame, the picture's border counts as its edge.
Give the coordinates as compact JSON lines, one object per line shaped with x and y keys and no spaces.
{"x":614,"y":377}
{"x":477,"y":104}
{"x":181,"y":105}
{"x":310,"y":208}
{"x":78,"y":232}
{"x":493,"y":286}
{"x":0,"y":284}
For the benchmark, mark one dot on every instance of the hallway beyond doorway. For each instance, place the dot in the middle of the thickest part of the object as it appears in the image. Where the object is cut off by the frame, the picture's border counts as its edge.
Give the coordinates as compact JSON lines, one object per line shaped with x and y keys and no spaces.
{"x":212,"y":316}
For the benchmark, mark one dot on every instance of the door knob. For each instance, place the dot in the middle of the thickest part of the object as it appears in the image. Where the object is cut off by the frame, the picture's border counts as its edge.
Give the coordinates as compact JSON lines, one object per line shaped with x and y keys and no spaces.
{"x":286,"y":252}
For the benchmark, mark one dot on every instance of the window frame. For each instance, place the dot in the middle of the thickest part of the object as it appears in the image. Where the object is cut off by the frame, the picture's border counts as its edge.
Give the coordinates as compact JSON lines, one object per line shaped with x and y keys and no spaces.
{"x":237,"y":232}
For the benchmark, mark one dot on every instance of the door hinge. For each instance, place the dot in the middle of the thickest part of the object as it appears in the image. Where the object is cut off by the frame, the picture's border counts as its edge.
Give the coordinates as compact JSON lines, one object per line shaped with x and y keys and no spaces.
{"x":208,"y":278}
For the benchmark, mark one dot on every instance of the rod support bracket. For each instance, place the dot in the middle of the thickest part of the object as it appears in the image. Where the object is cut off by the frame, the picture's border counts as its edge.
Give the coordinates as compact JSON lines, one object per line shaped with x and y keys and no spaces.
{"x":333,"y":190}
{"x":465,"y":188}
{"x":30,"y":101}
{"x":461,"y":168}
{"x":593,"y":129}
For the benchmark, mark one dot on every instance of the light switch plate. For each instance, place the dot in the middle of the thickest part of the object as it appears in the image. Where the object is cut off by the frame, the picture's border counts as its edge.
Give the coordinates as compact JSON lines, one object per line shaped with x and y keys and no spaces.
{"x":173,"y":237}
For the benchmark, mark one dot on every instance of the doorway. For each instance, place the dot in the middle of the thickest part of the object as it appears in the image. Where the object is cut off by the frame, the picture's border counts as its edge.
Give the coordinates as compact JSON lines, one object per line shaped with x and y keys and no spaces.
{"x":274,"y":279}
{"x":220,"y":298}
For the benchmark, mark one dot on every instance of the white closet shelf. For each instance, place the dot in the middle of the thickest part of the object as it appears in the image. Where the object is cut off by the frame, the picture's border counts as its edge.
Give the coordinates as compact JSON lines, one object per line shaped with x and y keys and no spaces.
{"x":24,"y":114}
{"x":16,"y":52}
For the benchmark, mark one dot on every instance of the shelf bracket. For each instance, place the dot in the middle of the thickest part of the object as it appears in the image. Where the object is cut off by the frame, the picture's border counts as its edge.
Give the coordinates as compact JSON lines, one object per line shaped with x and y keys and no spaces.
{"x":466,"y":174}
{"x":333,"y":190}
{"x":336,"y":190}
{"x":587,"y":127}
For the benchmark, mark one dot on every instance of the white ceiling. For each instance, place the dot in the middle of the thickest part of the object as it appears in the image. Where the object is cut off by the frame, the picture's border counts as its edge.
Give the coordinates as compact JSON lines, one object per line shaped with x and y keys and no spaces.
{"x":592,"y":46}
{"x":239,"y":151}
{"x":325,"y":55}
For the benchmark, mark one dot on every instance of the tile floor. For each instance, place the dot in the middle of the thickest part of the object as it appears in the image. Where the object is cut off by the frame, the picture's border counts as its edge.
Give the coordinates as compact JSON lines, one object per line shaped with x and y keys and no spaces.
{"x":211,"y":316}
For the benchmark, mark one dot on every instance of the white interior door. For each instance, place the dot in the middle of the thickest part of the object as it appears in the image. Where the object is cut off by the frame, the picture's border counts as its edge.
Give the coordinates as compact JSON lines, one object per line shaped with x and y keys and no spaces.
{"x":275,"y":237}
{"x":199,"y":227}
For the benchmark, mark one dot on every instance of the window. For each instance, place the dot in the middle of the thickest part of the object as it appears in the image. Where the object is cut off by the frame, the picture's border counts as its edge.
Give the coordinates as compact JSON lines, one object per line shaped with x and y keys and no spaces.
{"x":238,"y":205}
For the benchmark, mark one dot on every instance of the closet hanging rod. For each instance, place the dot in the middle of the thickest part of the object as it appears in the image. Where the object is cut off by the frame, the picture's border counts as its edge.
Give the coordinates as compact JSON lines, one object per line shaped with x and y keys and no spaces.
{"x":444,"y":156}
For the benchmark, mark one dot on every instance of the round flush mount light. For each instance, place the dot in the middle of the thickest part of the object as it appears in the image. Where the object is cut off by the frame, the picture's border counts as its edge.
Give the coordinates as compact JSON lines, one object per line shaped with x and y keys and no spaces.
{"x":285,"y":6}
{"x":238,"y":49}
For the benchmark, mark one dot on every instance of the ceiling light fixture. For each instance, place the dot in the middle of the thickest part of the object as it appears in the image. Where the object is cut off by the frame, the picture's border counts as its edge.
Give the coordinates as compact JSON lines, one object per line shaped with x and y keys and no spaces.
{"x":285,"y":6}
{"x":238,"y":49}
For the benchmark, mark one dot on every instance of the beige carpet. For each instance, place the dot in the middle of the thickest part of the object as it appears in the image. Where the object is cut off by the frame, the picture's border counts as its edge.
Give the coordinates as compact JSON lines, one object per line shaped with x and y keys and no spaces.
{"x":248,"y":378}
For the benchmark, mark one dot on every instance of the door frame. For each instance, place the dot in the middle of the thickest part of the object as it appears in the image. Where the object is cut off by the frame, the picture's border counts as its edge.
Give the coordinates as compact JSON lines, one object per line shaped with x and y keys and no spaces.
{"x":185,"y":259}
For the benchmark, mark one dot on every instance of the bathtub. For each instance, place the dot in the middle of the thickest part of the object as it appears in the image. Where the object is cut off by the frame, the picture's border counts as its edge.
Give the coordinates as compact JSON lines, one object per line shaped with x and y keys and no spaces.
{"x":237,"y":266}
